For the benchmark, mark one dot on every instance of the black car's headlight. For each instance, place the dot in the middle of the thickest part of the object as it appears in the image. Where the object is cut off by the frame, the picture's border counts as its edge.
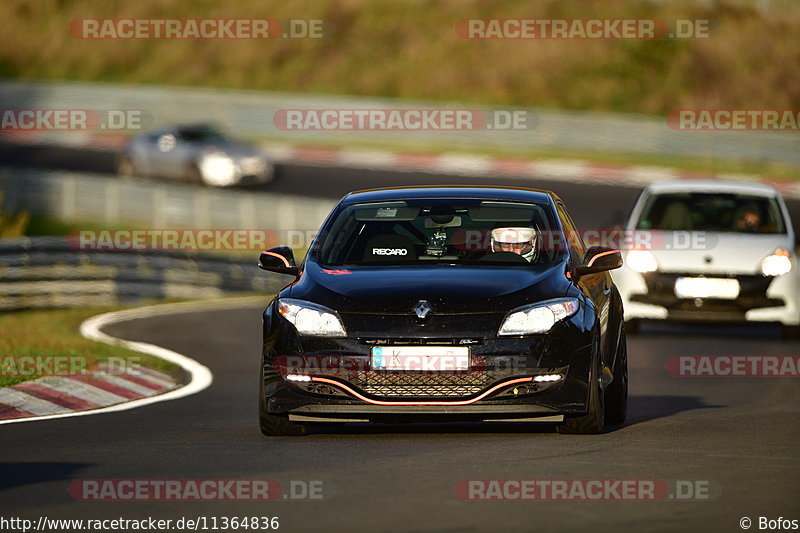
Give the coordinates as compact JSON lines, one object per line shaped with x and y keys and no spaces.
{"x":538,"y":317}
{"x":311,"y":319}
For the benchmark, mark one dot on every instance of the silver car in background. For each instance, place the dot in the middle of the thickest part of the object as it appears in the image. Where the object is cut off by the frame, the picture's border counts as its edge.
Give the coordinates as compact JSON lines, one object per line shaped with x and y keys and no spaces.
{"x":719,"y":252}
{"x":195,"y":153}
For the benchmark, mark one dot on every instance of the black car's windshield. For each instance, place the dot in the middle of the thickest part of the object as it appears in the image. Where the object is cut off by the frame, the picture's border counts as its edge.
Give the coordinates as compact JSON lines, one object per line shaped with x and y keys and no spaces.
{"x":741,"y":213}
{"x":440,"y":231}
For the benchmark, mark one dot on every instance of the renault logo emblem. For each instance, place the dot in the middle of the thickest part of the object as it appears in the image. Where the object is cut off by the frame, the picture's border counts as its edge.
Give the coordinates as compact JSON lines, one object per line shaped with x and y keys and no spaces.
{"x":422,"y":308}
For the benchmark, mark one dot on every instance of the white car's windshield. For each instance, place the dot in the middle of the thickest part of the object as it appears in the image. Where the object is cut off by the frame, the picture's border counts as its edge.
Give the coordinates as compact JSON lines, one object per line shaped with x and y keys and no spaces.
{"x":720,"y":212}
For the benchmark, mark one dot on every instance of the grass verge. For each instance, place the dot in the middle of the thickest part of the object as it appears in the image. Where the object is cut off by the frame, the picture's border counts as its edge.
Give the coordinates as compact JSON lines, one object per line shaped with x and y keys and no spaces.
{"x":54,"y":332}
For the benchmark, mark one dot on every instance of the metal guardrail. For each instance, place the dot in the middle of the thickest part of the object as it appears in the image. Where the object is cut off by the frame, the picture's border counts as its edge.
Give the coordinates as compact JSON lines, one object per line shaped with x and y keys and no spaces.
{"x":250,"y":113}
{"x":44,"y":272}
{"x":47,"y":272}
{"x":153,"y":204}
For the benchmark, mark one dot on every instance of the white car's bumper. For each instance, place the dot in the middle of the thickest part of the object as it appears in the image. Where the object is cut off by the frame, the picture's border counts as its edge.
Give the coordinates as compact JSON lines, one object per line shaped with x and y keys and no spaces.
{"x":652,"y":296}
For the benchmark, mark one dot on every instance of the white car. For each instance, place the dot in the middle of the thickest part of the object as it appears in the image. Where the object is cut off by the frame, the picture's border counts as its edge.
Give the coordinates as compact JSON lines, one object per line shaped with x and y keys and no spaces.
{"x":711,"y":251}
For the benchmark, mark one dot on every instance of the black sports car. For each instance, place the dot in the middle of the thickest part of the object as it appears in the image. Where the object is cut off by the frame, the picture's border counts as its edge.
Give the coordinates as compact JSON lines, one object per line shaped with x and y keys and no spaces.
{"x":445,"y":304}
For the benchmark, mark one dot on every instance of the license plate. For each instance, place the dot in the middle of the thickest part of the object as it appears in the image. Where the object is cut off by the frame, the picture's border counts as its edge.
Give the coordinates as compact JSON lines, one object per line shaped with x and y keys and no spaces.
{"x":726,"y":289}
{"x":420,"y":358}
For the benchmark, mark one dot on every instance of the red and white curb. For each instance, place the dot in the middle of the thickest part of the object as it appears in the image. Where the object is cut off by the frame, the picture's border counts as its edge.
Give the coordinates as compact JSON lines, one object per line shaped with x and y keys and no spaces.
{"x":107,"y":392}
{"x":467,"y":165}
{"x":52,"y":395}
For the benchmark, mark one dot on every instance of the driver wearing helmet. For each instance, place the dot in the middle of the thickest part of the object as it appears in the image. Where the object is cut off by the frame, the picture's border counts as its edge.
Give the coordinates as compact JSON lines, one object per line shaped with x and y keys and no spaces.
{"x":521,"y":241}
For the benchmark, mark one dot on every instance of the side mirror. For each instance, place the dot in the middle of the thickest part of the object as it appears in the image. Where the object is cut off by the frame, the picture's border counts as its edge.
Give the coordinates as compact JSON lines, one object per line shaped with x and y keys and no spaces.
{"x":280,"y":260}
{"x":598,"y":259}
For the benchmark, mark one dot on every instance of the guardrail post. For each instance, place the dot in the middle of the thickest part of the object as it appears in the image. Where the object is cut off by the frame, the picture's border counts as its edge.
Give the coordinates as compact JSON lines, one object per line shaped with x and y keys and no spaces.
{"x":112,"y":195}
{"x":68,"y":208}
{"x":287,"y":217}
{"x":160,"y":211}
{"x":247,"y":214}
{"x":201,"y":209}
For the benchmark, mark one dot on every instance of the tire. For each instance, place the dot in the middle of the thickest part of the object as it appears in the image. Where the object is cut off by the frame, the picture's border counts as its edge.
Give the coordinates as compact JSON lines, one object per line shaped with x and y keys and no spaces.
{"x":616,"y":400}
{"x":594,"y":420}
{"x":272,"y":425}
{"x":126,"y":168}
{"x":192,"y":175}
{"x":273,"y":174}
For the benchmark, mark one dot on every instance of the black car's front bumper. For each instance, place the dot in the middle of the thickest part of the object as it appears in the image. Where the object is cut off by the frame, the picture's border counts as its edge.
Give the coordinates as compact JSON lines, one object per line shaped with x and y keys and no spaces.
{"x":499,"y":386}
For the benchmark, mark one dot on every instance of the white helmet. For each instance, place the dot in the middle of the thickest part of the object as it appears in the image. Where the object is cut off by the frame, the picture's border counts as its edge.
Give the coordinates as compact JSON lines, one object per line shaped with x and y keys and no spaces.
{"x":520,"y":241}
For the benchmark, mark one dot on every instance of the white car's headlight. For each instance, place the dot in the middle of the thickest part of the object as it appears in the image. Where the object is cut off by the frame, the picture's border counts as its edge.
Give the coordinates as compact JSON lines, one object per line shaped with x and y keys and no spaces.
{"x":311,"y":319}
{"x":538,"y":318}
{"x":218,"y":169}
{"x":641,"y":261}
{"x":776,"y":264}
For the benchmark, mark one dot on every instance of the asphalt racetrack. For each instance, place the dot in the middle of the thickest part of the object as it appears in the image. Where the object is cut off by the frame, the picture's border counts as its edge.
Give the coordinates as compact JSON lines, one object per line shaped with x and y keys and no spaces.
{"x":738,"y":436}
{"x":592,"y":206}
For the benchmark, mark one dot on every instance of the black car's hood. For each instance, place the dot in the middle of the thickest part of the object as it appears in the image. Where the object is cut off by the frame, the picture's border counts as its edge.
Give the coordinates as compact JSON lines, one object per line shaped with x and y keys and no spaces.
{"x":448,"y":288}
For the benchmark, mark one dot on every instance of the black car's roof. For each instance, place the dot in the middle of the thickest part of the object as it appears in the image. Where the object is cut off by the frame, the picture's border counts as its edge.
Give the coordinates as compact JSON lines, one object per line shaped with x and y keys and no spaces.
{"x":450,"y":191}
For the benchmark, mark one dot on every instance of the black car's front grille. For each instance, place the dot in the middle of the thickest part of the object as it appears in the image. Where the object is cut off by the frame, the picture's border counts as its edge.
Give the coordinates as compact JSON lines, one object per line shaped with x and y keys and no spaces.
{"x":421,"y":391}
{"x":422,"y":385}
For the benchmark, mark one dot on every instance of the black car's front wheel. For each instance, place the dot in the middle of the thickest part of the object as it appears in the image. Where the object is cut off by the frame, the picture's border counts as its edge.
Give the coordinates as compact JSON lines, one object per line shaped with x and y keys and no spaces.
{"x":790,"y":332}
{"x":616,"y":401}
{"x":272,"y":425}
{"x":594,"y":419}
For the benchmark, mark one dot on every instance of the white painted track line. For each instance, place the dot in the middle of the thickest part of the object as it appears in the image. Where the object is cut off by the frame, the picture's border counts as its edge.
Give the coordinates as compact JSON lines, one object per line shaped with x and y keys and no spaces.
{"x":200,"y":376}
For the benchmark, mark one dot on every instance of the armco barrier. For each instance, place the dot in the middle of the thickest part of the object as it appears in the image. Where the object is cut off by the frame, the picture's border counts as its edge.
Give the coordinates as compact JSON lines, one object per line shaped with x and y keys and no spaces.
{"x":154,"y":204}
{"x":46,"y":272}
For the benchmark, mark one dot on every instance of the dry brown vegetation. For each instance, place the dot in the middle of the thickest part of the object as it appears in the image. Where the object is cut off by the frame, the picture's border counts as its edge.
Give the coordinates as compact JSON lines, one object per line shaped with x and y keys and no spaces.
{"x":410,"y":49}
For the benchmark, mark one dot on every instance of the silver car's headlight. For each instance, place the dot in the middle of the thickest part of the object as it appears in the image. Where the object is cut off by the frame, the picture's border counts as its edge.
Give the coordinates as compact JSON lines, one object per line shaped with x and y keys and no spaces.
{"x":311,"y":319}
{"x":539,"y":317}
{"x":776,"y":264}
{"x":218,"y":169}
